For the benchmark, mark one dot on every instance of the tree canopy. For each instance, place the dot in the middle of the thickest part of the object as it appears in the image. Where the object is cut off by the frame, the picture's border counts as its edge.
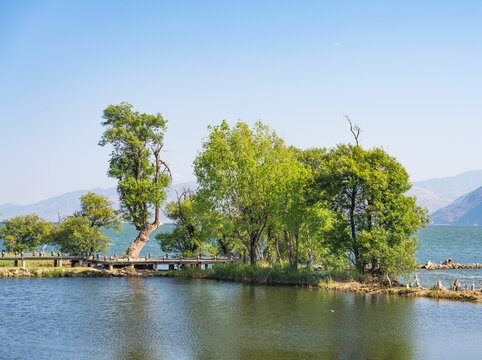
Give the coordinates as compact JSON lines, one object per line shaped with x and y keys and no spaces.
{"x":375,"y":220}
{"x":25,"y":233}
{"x":76,"y":235}
{"x":80,"y":233}
{"x":137,"y":140}
{"x":240,"y":173}
{"x":99,"y":211}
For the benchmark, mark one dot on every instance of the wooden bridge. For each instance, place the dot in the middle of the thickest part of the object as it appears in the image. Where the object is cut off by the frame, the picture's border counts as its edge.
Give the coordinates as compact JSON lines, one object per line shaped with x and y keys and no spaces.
{"x":111,"y":262}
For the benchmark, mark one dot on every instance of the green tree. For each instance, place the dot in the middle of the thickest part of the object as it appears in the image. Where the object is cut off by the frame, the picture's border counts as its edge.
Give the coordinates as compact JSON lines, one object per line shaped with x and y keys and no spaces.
{"x":76,"y":235}
{"x":99,"y":211}
{"x":375,"y":220}
{"x":137,"y":140}
{"x":301,"y":221}
{"x":25,"y":233}
{"x":187,"y":237}
{"x":80,"y":233}
{"x":239,"y":173}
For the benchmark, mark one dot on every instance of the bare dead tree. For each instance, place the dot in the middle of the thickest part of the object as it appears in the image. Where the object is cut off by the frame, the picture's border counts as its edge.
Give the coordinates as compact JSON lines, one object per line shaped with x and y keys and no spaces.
{"x":355,"y":129}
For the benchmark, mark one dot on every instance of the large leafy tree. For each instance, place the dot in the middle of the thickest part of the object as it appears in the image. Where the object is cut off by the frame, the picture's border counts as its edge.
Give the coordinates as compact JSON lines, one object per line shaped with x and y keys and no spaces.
{"x":25,"y":233}
{"x":137,"y":140}
{"x":76,"y":235}
{"x":99,"y":211}
{"x":80,"y":233}
{"x":239,"y":173}
{"x":375,"y":219}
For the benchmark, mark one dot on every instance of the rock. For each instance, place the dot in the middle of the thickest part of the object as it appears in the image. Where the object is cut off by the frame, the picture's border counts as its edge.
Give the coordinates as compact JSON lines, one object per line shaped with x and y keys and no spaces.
{"x":439,"y":286}
{"x":449,"y":261}
{"x":428,"y":265}
{"x":417,"y":283}
{"x":456,"y":285}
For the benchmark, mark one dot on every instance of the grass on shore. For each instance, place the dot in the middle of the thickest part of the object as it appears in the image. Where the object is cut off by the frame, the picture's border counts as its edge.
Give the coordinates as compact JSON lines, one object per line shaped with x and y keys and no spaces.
{"x":276,"y":274}
{"x":30,"y":263}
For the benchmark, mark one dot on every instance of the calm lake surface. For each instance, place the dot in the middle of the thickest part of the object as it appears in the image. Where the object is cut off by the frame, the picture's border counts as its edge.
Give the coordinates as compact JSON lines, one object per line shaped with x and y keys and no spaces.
{"x":157,"y":318}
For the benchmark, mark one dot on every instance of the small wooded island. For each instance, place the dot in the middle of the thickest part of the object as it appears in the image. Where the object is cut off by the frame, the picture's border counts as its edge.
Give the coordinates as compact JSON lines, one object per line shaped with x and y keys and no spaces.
{"x":343,"y":210}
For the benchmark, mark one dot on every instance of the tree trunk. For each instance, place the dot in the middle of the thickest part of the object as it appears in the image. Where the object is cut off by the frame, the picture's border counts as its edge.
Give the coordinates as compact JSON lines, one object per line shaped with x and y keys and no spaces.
{"x":310,"y":257}
{"x":252,"y":253}
{"x":278,"y":254}
{"x":261,"y":255}
{"x":289,"y":246}
{"x":297,"y":242}
{"x":135,"y":248}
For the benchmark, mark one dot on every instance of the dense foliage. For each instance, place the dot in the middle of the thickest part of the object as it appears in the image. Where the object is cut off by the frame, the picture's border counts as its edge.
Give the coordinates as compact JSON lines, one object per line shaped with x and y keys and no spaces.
{"x":335,"y":207}
{"x":374,"y":219}
{"x":75,"y":235}
{"x":80,"y":233}
{"x":188,"y":236}
{"x":25,"y":233}
{"x":242,"y":174}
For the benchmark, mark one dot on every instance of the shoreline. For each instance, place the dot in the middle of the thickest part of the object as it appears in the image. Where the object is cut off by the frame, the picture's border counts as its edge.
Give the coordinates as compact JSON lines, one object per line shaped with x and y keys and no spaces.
{"x":348,"y":285}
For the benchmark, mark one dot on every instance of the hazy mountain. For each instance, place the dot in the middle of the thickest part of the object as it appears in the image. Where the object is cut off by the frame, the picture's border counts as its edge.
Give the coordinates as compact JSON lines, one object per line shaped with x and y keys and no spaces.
{"x":466,"y":210}
{"x":454,"y":186}
{"x":428,"y":199}
{"x":66,"y":204}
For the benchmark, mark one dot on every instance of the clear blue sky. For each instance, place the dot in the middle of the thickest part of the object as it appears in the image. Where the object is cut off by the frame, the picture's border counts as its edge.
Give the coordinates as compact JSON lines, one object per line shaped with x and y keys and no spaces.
{"x":408,"y":72}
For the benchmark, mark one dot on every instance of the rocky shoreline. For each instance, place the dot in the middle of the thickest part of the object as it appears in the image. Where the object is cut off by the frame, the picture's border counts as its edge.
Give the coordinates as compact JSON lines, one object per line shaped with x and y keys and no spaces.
{"x":448,"y":264}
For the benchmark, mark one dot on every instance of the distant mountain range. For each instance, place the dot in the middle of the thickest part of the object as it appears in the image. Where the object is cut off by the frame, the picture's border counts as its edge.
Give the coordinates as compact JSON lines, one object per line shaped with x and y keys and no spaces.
{"x":65,"y":204}
{"x":455,"y":200}
{"x":429,"y":199}
{"x":454,"y":186}
{"x":466,"y":210}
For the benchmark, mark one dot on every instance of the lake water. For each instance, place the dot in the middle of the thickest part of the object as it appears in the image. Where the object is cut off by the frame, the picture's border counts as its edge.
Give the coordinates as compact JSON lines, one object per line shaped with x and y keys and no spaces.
{"x":161,"y":318}
{"x":462,"y":244}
